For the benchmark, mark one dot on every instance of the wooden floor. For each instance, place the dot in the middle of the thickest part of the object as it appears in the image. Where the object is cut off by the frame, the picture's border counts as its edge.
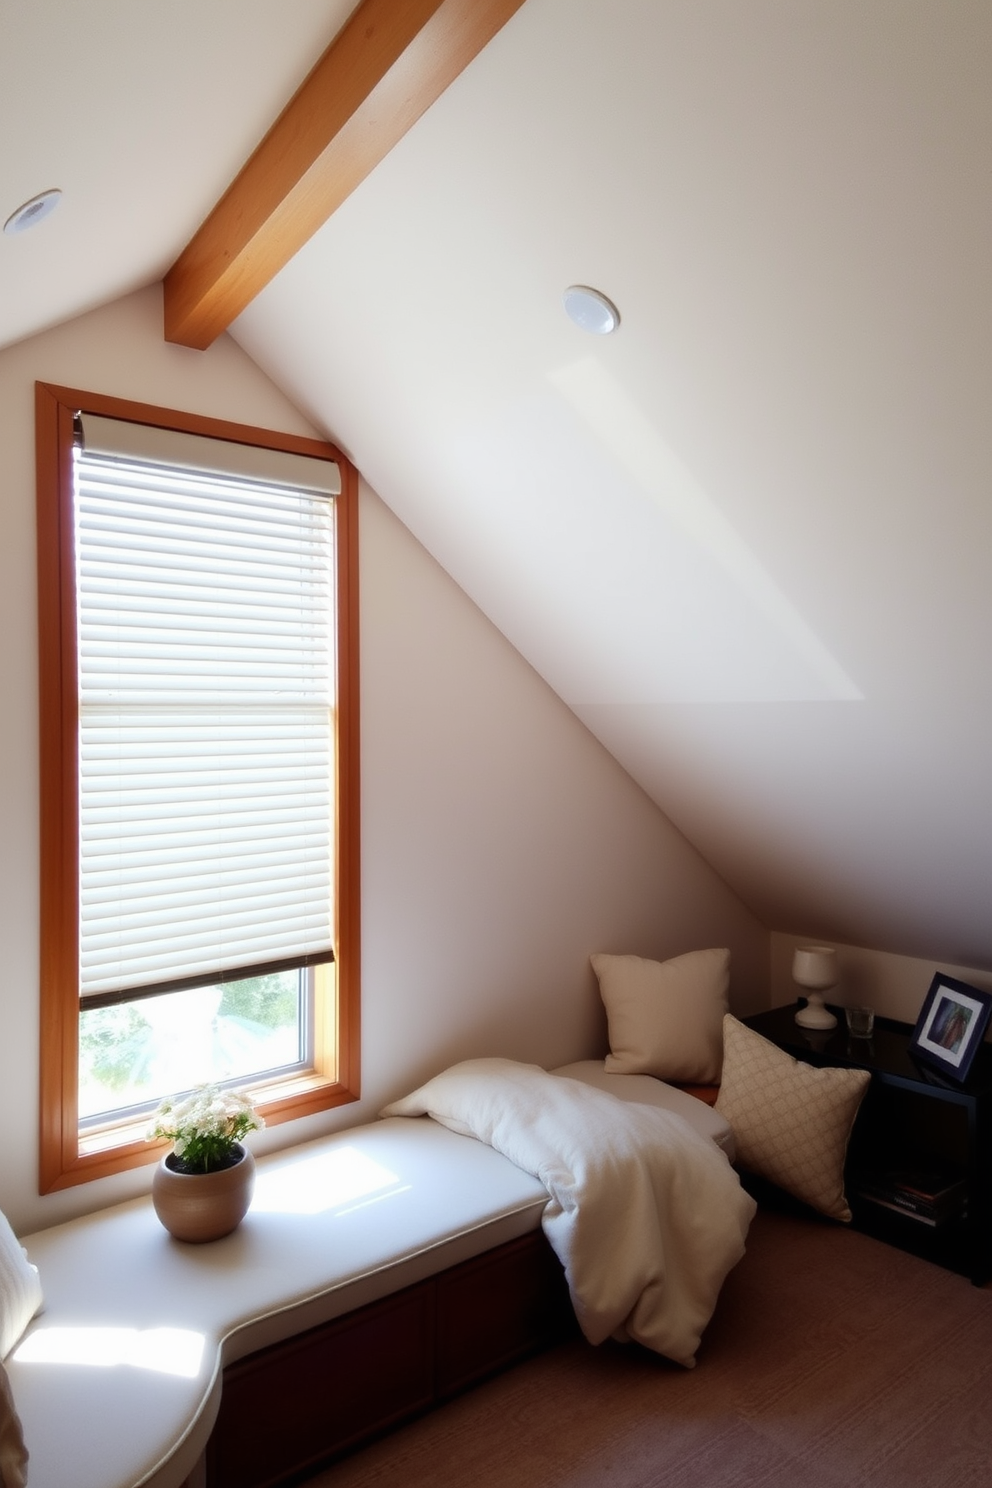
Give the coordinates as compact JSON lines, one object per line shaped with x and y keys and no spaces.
{"x":833,"y":1362}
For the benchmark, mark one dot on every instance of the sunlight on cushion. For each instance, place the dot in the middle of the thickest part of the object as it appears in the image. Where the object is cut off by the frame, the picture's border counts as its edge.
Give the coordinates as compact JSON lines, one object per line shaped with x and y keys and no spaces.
{"x":313,"y":1185}
{"x":163,"y":1350}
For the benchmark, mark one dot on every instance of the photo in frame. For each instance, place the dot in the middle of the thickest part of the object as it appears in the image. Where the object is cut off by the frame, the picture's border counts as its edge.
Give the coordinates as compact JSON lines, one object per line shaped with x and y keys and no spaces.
{"x":951,"y":1026}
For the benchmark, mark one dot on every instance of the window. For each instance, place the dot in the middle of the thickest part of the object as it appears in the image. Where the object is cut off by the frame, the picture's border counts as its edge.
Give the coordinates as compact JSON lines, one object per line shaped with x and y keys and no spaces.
{"x":199,"y":728}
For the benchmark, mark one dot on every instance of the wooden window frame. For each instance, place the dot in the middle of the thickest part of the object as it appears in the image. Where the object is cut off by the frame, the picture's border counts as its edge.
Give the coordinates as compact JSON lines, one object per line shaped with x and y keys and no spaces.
{"x":68,"y":1157}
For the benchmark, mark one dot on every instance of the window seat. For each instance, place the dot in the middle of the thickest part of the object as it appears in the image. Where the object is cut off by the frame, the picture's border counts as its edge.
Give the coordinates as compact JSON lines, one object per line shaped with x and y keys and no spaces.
{"x":118,"y":1381}
{"x":377,"y":1272}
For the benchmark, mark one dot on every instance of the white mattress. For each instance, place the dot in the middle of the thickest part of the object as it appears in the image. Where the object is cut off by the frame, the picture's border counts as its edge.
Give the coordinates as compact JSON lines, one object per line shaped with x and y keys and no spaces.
{"x":647,"y":1091}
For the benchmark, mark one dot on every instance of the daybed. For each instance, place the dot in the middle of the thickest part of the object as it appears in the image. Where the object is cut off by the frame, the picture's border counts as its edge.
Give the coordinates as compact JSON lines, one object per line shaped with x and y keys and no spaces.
{"x":378,"y":1271}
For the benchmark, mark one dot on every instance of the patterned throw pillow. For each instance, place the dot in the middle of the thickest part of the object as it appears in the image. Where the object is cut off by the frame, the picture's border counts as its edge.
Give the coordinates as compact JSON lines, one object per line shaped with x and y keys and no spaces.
{"x":665,"y":1017}
{"x":791,"y":1121}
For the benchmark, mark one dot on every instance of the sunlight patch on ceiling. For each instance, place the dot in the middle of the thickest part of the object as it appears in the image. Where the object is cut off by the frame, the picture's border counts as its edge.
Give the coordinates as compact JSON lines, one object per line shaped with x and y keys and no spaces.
{"x":613,"y":417}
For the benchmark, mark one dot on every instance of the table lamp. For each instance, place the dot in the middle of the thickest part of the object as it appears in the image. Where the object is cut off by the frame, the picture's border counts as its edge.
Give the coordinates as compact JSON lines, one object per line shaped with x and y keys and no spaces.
{"x":814,"y":969}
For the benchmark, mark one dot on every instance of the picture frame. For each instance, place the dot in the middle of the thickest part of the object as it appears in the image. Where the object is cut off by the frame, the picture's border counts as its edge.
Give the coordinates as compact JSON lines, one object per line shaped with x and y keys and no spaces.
{"x":951,"y":1026}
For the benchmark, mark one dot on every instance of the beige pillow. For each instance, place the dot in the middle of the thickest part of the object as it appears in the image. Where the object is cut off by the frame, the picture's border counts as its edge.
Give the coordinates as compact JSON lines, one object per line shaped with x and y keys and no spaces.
{"x":665,"y":1016}
{"x":20,"y":1289}
{"x":791,"y":1121}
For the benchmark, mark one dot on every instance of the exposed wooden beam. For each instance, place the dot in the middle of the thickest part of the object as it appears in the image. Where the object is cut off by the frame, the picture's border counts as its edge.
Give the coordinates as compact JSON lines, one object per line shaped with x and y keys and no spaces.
{"x":386,"y":66}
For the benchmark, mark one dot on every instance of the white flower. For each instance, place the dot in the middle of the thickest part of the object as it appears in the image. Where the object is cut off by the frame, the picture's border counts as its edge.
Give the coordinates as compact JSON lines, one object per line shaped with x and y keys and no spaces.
{"x":206,"y":1124}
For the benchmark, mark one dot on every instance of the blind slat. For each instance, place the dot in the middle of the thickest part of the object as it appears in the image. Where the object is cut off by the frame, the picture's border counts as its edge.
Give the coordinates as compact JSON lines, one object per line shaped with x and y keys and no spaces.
{"x":206,"y":678}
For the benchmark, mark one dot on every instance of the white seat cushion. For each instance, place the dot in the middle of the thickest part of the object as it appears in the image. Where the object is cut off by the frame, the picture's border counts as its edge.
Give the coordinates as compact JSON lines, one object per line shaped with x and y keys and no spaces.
{"x":647,"y":1091}
{"x":334,"y":1224}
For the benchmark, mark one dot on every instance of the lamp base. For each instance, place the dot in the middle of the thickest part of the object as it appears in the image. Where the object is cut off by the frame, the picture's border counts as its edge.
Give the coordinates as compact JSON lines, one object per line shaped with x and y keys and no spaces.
{"x":814,"y":1014}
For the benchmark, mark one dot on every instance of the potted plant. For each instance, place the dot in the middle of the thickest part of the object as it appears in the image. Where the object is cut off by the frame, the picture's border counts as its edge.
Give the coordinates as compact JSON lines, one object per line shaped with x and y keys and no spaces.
{"x":201,"y":1190}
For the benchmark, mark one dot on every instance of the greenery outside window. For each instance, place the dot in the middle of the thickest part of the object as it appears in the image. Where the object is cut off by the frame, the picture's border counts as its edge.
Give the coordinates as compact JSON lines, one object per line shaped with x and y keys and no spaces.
{"x":198,"y":627}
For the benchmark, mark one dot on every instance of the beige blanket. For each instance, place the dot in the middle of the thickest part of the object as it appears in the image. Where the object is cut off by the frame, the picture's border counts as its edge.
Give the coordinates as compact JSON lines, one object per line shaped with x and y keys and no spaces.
{"x":646,"y":1216}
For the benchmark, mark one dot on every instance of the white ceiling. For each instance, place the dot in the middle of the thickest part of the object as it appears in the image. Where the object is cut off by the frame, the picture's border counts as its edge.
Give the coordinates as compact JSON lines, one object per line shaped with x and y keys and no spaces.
{"x":747,"y":537}
{"x":142,"y":112}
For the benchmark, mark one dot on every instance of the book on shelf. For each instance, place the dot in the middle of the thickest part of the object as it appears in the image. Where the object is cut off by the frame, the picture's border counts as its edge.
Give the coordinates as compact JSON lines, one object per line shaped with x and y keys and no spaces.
{"x":932,"y":1217}
{"x":930,"y":1195}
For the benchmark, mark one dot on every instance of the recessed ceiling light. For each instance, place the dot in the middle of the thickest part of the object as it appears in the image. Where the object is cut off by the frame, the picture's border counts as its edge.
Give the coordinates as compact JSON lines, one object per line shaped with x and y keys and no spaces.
{"x":590,"y":310}
{"x":30,"y":212}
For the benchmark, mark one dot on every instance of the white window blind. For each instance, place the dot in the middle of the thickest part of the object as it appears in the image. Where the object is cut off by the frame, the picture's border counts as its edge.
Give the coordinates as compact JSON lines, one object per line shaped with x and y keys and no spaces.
{"x":206,"y":686}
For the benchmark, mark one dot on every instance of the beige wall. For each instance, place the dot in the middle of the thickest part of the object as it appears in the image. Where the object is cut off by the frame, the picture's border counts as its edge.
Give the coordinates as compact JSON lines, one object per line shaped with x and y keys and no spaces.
{"x":501,"y":843}
{"x":894,"y":986}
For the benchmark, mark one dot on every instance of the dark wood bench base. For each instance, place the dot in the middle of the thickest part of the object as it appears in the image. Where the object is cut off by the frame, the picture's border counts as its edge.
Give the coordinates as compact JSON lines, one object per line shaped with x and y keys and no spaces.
{"x":289,"y":1409}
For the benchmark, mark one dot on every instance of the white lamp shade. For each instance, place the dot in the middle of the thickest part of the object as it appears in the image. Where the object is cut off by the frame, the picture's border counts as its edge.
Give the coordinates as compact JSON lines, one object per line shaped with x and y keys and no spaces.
{"x":815,"y":966}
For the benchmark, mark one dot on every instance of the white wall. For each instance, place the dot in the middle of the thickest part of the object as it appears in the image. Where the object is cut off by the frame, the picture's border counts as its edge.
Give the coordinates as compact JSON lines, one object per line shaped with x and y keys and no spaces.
{"x":501,"y":843}
{"x":894,"y":986}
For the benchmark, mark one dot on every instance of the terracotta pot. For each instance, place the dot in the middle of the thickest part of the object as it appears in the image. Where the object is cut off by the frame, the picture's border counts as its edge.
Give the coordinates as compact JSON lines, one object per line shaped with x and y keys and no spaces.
{"x":203,"y":1206}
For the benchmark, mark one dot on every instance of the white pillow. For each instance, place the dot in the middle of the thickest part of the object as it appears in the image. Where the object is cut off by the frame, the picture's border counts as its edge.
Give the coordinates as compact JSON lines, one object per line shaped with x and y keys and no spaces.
{"x":665,"y":1017}
{"x":20,"y":1289}
{"x":791,"y":1121}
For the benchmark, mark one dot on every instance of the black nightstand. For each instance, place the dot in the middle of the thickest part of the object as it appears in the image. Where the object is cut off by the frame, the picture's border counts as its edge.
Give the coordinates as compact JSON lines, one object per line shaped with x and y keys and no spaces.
{"x":910,"y":1116}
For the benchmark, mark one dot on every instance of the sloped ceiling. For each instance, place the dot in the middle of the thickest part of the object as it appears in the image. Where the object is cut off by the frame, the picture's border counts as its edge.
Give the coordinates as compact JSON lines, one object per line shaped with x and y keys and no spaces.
{"x":141,"y":114}
{"x":746,"y":537}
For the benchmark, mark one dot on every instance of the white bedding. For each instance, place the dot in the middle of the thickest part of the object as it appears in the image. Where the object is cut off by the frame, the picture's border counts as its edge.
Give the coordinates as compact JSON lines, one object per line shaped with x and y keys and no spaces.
{"x":646,"y":1090}
{"x":646,"y":1215}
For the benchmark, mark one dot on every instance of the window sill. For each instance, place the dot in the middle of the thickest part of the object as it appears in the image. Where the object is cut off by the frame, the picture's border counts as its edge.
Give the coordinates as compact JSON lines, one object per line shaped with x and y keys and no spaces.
{"x":119,"y":1146}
